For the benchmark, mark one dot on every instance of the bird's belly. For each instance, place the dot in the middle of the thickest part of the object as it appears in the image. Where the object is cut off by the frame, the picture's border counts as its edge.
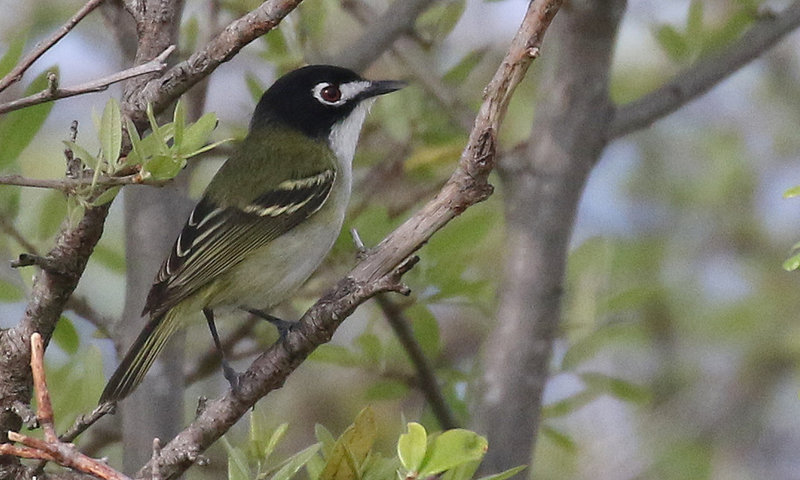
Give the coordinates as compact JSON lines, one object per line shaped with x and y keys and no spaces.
{"x":272,"y":273}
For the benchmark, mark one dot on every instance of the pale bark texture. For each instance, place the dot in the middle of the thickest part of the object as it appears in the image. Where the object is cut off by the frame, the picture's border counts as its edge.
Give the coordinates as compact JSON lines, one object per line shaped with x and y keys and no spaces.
{"x":542,"y":185}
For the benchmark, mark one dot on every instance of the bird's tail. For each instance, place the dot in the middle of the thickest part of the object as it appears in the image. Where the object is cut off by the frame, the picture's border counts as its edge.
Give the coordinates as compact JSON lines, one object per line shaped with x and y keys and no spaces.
{"x":140,"y":356}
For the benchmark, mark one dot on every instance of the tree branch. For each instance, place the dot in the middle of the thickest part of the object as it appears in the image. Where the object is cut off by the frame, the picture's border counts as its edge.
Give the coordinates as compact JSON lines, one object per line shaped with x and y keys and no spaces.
{"x":705,"y":73}
{"x":54,"y":92}
{"x":426,"y":378}
{"x":379,"y":271}
{"x":167,"y":88}
{"x":16,"y":73}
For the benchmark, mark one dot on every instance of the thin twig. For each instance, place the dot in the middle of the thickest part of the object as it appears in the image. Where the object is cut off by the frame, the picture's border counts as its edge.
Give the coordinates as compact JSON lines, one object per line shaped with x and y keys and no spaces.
{"x":53,"y":92}
{"x":426,"y":378}
{"x":70,"y":185}
{"x":16,"y":73}
{"x":45,"y":408}
{"x":80,"y":306}
{"x":85,"y":421}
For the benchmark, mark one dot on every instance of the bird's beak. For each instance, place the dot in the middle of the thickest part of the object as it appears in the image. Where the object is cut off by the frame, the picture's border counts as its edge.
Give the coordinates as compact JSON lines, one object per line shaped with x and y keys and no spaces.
{"x":381,"y":87}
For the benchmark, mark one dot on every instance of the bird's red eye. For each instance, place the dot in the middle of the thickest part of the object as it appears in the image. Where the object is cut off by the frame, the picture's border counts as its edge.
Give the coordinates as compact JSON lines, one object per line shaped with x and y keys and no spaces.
{"x":331,"y":93}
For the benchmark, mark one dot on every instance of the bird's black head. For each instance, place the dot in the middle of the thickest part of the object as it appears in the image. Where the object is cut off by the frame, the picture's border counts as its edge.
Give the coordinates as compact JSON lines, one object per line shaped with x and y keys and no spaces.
{"x":312,"y":99}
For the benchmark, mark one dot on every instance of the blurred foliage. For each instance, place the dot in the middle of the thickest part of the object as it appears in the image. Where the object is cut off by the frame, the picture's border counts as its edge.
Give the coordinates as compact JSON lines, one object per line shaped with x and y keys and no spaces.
{"x":678,"y":351}
{"x":450,"y":455}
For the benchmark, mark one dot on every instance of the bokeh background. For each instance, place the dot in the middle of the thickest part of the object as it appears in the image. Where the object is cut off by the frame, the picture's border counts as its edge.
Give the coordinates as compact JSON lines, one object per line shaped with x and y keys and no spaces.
{"x":679,"y":344}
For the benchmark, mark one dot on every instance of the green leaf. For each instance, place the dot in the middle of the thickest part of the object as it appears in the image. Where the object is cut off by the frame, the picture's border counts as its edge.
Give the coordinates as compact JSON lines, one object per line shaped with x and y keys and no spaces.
{"x":179,"y":120}
{"x":136,"y":155}
{"x":426,"y":330}
{"x":9,"y":292}
{"x":694,"y":21}
{"x":458,"y":74}
{"x":111,"y":132}
{"x":189,"y":34}
{"x":672,"y":42}
{"x":196,"y":135}
{"x":560,"y":439}
{"x":109,"y":257}
{"x":506,"y":474}
{"x":106,"y":196}
{"x":326,"y":438}
{"x":439,"y":20}
{"x":616,"y":387}
{"x":208,"y":147}
{"x":274,"y":439}
{"x":335,"y":355}
{"x":163,"y":167}
{"x":386,"y":390}
{"x":52,"y":213}
{"x":296,"y":462}
{"x":411,"y":447}
{"x":570,"y":404}
{"x":351,"y":448}
{"x":371,"y":348}
{"x":237,"y":462}
{"x":792,"y":263}
{"x":9,"y":202}
{"x":18,"y":128}
{"x":66,"y":336}
{"x":452,"y":448}
{"x":12,"y":55}
{"x":792,"y":192}
{"x":254,"y":85}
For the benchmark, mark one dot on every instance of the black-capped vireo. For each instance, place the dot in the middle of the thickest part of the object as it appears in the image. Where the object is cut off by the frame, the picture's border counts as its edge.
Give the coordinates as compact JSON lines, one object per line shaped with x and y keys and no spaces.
{"x":268,"y":217}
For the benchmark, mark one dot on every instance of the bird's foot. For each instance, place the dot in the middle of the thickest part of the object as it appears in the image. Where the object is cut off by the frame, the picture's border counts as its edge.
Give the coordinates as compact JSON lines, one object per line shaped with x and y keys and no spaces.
{"x":231,"y":375}
{"x":283,"y":326}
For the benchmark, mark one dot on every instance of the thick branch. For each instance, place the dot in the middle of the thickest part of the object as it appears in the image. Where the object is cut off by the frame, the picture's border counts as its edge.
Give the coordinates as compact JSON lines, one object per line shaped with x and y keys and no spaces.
{"x":542,"y":187}
{"x":705,"y":73}
{"x":48,"y":95}
{"x":16,"y":73}
{"x":379,"y":271}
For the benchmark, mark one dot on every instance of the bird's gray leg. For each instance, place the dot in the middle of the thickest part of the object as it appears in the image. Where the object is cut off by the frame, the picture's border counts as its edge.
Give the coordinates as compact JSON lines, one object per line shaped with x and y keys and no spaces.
{"x":283,"y":326}
{"x":230,"y":374}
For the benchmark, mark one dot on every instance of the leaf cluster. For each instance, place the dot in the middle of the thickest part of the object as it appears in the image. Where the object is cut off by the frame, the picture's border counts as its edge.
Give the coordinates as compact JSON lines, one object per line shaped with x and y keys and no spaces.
{"x":450,"y":455}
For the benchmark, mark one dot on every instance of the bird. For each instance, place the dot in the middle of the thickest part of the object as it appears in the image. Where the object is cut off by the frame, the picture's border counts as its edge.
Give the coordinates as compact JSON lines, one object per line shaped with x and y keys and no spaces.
{"x":268,"y":217}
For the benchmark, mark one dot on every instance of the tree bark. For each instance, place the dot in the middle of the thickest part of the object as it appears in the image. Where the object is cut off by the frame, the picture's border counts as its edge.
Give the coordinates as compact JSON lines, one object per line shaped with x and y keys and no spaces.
{"x":542,"y":185}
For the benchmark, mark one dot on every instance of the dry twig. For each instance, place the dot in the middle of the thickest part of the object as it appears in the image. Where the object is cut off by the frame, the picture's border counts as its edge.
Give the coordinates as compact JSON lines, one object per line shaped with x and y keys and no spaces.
{"x":54,"y":92}
{"x":16,"y":73}
{"x":51,"y":449}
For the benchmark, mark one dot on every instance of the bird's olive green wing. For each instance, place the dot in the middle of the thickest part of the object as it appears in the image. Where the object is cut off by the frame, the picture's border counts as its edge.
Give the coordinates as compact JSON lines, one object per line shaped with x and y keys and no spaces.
{"x":215,"y":239}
